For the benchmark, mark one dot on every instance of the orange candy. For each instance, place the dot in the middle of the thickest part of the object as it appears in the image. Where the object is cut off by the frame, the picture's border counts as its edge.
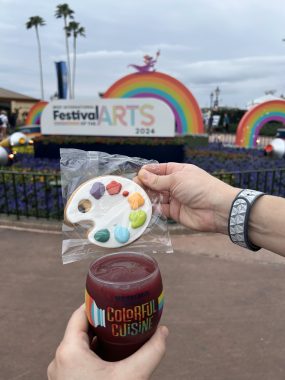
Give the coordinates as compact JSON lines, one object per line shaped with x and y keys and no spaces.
{"x":135,"y":200}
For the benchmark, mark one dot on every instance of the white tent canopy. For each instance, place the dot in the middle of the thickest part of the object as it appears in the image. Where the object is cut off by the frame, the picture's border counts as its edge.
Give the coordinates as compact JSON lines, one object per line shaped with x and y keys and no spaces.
{"x":262,"y":99}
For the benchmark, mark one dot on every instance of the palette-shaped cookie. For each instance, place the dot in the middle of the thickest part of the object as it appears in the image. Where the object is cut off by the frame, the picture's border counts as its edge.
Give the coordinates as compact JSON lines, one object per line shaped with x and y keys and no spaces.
{"x":119,"y":209}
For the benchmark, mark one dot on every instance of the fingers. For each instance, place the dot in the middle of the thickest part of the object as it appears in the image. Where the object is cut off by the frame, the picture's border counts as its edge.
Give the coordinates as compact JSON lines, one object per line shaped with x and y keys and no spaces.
{"x":164,"y":169}
{"x":91,"y":335}
{"x":148,"y":357}
{"x":165,"y":210}
{"x":161,"y":196}
{"x":77,"y":328}
{"x":50,"y":370}
{"x":154,"y":181}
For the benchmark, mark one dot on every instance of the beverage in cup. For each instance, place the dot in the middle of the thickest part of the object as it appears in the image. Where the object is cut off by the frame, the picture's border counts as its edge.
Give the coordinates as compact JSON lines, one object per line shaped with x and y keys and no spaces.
{"x":124,"y":302}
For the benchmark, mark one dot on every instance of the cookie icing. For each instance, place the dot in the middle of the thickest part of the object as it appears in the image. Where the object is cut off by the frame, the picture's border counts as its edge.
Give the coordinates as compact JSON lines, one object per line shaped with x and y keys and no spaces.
{"x":118,"y":208}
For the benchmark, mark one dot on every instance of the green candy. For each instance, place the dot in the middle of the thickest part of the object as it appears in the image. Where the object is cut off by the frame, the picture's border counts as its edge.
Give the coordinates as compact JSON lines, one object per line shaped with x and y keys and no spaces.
{"x":137,"y":218}
{"x":102,"y":235}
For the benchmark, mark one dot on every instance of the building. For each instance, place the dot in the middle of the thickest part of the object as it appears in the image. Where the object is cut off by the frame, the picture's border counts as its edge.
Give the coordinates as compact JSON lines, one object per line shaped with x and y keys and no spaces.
{"x":13,"y":102}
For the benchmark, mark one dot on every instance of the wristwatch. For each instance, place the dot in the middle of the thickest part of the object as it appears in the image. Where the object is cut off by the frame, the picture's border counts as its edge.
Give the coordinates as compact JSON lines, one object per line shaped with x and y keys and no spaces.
{"x":239,"y":216}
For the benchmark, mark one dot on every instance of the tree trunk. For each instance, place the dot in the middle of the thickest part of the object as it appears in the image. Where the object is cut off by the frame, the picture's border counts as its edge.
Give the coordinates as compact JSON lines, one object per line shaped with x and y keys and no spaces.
{"x":68,"y":61}
{"x":40,"y":63}
{"x":74,"y":66}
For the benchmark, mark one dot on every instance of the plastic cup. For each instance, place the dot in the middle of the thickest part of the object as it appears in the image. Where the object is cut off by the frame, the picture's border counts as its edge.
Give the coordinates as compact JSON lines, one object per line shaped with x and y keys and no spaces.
{"x":124,"y":302}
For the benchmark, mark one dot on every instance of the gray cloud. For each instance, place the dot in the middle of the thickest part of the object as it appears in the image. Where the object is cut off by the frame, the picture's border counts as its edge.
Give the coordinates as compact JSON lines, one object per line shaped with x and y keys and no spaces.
{"x":233,"y":70}
{"x":234,"y":44}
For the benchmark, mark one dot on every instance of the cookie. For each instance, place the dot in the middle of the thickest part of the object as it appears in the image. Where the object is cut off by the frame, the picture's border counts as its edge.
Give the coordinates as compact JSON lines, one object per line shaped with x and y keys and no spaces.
{"x":118,"y":208}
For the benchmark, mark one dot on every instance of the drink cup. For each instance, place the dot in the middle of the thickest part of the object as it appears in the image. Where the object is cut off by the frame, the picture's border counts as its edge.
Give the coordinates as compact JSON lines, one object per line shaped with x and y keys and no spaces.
{"x":124,"y":302}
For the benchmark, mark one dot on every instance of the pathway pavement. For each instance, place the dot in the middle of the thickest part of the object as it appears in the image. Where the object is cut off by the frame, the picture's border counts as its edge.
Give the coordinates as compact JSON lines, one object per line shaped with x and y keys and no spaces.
{"x":224,"y":307}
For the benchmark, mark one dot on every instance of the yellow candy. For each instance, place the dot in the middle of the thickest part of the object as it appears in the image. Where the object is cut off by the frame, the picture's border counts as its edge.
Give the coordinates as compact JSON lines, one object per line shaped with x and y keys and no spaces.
{"x":135,"y":201}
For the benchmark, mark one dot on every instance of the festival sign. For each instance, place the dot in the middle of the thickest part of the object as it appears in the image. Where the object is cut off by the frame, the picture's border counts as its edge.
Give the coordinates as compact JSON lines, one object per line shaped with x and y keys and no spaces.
{"x":163,"y":87}
{"x":34,"y":115}
{"x":108,"y":117}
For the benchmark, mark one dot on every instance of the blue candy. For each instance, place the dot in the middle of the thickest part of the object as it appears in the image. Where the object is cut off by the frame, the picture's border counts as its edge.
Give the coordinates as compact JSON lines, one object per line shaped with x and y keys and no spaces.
{"x":122,"y":234}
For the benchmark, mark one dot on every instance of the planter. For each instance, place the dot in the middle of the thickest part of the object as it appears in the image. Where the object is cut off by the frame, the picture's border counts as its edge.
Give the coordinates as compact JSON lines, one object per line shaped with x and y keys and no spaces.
{"x":162,"y":149}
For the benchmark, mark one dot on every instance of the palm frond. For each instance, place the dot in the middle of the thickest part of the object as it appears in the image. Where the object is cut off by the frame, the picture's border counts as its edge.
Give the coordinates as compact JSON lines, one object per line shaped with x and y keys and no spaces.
{"x":63,"y":11}
{"x":35,"y":21}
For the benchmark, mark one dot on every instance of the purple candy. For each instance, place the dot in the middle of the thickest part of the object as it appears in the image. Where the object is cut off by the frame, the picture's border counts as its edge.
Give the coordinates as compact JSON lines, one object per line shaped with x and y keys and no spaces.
{"x":97,"y":190}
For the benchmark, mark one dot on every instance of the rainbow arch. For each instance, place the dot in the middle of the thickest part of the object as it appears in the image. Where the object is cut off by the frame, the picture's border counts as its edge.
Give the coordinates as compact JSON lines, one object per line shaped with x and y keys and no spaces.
{"x":161,"y":86}
{"x":254,"y":119}
{"x":34,"y":115}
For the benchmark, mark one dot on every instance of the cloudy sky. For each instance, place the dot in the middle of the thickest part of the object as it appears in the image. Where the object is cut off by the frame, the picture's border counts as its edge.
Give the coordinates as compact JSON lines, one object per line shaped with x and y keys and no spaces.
{"x":234,"y":44}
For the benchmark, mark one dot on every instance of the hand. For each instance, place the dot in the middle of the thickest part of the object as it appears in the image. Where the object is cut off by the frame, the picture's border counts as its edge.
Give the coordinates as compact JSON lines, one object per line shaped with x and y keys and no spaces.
{"x":75,"y":361}
{"x":191,"y":196}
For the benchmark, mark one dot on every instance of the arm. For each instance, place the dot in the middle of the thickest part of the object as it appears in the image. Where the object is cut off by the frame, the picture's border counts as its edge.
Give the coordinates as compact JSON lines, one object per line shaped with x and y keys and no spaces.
{"x":201,"y":202}
{"x":267,"y":224}
{"x":266,"y":221}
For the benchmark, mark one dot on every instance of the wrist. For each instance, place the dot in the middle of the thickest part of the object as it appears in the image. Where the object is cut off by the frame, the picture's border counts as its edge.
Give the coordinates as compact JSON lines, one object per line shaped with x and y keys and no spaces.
{"x":222,"y":208}
{"x":258,"y":226}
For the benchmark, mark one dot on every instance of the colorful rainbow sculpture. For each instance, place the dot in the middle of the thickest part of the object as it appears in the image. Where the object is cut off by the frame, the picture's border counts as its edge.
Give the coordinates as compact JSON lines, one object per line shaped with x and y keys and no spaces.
{"x":34,"y":115}
{"x":163,"y":87}
{"x":254,"y":119}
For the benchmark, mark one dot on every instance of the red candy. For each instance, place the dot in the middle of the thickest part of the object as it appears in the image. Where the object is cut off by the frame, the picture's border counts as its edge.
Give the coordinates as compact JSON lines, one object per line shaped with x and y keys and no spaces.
{"x":113,"y":187}
{"x":125,"y":193}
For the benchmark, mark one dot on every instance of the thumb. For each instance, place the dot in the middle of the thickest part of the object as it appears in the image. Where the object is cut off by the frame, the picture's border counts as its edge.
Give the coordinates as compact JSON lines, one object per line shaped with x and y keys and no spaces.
{"x":148,"y":357}
{"x":154,"y":181}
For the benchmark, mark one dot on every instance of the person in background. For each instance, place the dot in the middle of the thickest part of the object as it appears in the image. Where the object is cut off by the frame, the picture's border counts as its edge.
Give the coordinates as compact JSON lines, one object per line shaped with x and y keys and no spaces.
{"x":13,"y":120}
{"x":4,"y":124}
{"x":210,"y":123}
{"x":226,"y":122}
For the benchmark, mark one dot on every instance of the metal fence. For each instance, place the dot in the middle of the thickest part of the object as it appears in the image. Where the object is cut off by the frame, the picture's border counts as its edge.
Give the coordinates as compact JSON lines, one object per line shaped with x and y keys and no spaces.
{"x":270,"y":181}
{"x":227,"y":138}
{"x":39,"y":194}
{"x":30,"y":194}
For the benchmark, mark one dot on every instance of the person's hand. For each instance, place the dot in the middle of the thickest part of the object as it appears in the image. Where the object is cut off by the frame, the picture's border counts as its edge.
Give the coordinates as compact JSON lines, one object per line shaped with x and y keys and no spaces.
{"x":74,"y":360}
{"x":190,"y":195}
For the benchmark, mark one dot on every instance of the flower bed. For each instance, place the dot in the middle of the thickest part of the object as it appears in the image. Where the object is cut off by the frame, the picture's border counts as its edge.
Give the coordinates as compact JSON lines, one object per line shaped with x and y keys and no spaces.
{"x":216,"y":158}
{"x":213,"y":158}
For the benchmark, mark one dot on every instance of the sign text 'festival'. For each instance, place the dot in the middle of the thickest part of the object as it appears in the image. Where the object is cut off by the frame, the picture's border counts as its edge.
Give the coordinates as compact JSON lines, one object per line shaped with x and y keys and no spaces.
{"x":108,"y":117}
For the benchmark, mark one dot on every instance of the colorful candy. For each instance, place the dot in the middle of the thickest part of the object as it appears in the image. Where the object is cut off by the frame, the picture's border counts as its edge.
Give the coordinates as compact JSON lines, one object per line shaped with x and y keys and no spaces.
{"x":97,"y":190}
{"x":114,"y":187}
{"x":137,"y":218}
{"x":122,"y":234}
{"x":102,"y":235}
{"x":135,"y":200}
{"x":84,"y":206}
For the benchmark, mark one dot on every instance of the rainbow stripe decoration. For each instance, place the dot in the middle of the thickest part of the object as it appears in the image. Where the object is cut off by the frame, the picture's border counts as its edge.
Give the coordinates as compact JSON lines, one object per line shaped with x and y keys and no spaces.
{"x":167,"y":89}
{"x":34,"y":115}
{"x":254,"y":119}
{"x":95,"y":315}
{"x":161,"y":301}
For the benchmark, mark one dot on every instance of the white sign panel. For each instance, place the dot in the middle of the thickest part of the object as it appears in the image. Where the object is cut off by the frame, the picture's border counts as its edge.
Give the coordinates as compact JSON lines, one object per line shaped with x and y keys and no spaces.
{"x":108,"y":117}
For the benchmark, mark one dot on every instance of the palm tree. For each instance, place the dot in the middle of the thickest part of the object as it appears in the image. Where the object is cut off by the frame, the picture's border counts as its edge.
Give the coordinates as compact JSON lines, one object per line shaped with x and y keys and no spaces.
{"x":74,"y":29}
{"x":63,"y":11}
{"x":35,"y":22}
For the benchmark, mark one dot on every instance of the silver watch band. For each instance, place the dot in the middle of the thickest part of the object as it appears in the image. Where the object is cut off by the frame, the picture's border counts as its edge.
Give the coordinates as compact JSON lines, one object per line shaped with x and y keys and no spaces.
{"x":239,"y":215}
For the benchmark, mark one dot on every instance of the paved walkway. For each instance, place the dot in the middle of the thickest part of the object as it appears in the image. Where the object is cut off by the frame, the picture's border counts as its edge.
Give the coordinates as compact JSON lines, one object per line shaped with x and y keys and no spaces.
{"x":225,"y":307}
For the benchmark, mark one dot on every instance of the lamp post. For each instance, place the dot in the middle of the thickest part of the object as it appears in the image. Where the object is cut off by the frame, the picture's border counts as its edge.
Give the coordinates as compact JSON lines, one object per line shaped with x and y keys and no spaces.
{"x":217,"y":94}
{"x":211,"y":99}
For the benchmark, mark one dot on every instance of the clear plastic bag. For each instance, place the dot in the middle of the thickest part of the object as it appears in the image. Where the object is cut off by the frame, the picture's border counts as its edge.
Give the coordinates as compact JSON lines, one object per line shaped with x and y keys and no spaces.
{"x":78,"y":167}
